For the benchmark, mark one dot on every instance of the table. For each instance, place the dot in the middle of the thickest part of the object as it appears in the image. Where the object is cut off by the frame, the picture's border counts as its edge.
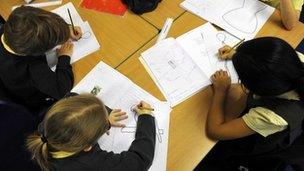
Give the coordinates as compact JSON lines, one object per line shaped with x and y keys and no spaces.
{"x":188,"y":143}
{"x":165,"y":9}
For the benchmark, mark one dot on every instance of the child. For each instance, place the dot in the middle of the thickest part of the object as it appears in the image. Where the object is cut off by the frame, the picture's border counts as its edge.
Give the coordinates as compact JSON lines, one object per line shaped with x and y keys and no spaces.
{"x":267,"y":135}
{"x":67,"y":138}
{"x":24,"y":73}
{"x":289,"y":10}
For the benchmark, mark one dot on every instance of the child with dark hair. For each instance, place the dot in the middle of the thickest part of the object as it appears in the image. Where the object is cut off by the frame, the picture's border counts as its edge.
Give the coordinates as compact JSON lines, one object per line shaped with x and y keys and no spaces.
{"x":267,"y":135}
{"x":24,"y":73}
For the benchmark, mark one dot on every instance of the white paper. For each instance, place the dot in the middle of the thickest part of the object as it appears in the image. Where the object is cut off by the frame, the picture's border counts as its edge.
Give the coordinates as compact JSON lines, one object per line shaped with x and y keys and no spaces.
{"x":176,"y":74}
{"x":63,"y":12}
{"x":118,"y":92}
{"x":82,"y":47}
{"x":40,"y":4}
{"x":242,"y":18}
{"x":202,"y":44}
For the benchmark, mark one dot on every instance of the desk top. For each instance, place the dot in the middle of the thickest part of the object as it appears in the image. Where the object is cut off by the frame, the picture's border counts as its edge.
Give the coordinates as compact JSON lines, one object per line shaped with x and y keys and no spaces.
{"x":165,"y":9}
{"x":188,"y":143}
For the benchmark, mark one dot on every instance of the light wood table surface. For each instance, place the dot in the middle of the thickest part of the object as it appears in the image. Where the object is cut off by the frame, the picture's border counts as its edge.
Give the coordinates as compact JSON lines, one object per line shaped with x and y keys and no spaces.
{"x":188,"y":143}
{"x":119,"y":36}
{"x":165,"y":9}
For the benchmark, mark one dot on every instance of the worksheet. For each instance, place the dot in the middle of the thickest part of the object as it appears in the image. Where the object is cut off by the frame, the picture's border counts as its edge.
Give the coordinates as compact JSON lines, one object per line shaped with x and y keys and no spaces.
{"x":118,"y":92}
{"x":242,"y":18}
{"x":183,"y":66}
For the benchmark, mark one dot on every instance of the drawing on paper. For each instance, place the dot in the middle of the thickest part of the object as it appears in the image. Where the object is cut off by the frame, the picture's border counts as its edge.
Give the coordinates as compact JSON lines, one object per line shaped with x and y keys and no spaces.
{"x":250,"y":21}
{"x":132,"y":128}
{"x":95,"y":90}
{"x":173,"y":68}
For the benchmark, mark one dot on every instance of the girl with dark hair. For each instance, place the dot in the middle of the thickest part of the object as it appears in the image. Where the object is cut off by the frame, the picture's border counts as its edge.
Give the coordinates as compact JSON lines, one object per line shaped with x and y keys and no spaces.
{"x":24,"y":73}
{"x":67,"y":138}
{"x":267,"y":135}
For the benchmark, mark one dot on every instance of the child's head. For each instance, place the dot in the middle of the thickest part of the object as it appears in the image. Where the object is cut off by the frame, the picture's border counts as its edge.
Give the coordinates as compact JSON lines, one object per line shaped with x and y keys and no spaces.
{"x":71,"y":125}
{"x":33,"y":31}
{"x":269,"y":66}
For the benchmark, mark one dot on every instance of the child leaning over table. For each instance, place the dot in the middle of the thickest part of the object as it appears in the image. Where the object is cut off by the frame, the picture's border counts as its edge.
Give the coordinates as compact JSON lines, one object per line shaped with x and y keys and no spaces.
{"x":25,"y":77}
{"x":268,"y":134}
{"x":67,"y":138}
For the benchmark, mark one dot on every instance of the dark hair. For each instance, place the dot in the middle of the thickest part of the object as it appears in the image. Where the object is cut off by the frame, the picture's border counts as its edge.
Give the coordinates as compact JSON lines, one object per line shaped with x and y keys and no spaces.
{"x":71,"y":125}
{"x":269,"y":66}
{"x":33,"y":31}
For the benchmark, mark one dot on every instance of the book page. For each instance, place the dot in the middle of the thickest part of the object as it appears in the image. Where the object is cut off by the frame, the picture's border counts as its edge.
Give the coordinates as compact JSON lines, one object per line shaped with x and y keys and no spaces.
{"x":202,"y":45}
{"x":176,"y":73}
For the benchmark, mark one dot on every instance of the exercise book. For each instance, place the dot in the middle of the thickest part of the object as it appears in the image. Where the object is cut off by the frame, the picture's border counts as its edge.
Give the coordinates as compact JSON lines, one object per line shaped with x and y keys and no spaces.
{"x":118,"y":92}
{"x":183,"y":66}
{"x":242,"y":18}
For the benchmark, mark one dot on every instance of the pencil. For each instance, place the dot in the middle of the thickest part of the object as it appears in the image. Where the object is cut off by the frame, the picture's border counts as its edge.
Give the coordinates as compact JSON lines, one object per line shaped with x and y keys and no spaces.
{"x":72,"y":22}
{"x":145,"y":108}
{"x":236,"y":45}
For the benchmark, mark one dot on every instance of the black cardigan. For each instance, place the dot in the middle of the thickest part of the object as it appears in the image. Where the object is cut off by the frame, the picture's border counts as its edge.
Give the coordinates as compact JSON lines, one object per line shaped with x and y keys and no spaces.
{"x":29,"y":81}
{"x":139,"y":157}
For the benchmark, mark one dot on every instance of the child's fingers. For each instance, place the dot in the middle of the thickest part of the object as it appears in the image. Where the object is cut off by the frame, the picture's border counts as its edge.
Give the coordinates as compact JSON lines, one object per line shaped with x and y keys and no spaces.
{"x":116,"y":110}
{"x":116,"y":114}
{"x":116,"y":124}
{"x":120,"y":118}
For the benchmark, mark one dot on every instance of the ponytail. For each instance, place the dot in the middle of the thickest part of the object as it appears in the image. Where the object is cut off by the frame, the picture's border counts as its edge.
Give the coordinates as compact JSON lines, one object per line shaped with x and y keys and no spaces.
{"x":39,"y":150}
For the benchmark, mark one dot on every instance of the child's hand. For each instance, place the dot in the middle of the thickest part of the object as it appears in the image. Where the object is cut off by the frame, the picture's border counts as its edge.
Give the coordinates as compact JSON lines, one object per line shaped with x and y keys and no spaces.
{"x":117,"y":115}
{"x":221,"y":81}
{"x":226,"y":52}
{"x":143,"y":108}
{"x":77,"y":34}
{"x":66,"y":49}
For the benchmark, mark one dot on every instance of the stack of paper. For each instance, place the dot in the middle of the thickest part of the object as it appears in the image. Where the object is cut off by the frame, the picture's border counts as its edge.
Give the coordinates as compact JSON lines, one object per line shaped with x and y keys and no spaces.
{"x":181,"y":67}
{"x":118,"y":92}
{"x":83,"y":47}
{"x":242,"y":18}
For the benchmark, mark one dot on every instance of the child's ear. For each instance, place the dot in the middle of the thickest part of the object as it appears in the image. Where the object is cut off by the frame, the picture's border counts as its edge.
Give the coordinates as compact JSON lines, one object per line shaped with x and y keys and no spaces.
{"x":87,"y":149}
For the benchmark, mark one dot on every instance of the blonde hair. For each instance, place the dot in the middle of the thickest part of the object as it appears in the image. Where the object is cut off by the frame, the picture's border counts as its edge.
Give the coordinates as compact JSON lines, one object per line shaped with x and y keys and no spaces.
{"x":71,"y":125}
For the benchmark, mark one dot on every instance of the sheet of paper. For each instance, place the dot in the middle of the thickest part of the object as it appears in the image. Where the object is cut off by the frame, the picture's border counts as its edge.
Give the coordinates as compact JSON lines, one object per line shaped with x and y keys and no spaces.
{"x":63,"y":12}
{"x":242,"y":18}
{"x":83,"y":47}
{"x":118,"y":92}
{"x":202,"y":44}
{"x":176,"y":74}
{"x":40,"y":4}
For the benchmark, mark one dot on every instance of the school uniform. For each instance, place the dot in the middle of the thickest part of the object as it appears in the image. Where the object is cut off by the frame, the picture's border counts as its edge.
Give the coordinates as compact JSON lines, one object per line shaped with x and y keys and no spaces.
{"x":278,"y":142}
{"x":28,"y":80}
{"x":139,"y":157}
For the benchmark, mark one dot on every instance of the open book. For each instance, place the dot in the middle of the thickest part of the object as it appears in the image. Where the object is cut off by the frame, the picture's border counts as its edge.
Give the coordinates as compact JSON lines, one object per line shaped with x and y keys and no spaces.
{"x":181,"y":67}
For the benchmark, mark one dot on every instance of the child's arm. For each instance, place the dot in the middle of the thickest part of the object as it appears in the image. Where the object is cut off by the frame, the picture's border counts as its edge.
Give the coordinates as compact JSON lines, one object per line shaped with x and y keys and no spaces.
{"x":217,"y":128}
{"x":141,"y":152}
{"x":289,"y":14}
{"x":55,"y":84}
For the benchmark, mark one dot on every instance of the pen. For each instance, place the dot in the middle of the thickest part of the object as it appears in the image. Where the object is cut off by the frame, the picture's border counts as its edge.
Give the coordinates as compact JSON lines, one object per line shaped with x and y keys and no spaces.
{"x":72,"y":22}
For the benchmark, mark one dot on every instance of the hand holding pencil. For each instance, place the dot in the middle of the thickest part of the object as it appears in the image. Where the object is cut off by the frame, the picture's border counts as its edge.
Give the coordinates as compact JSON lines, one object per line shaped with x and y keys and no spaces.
{"x":143,"y":108}
{"x":75,"y":31}
{"x":226,"y":52}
